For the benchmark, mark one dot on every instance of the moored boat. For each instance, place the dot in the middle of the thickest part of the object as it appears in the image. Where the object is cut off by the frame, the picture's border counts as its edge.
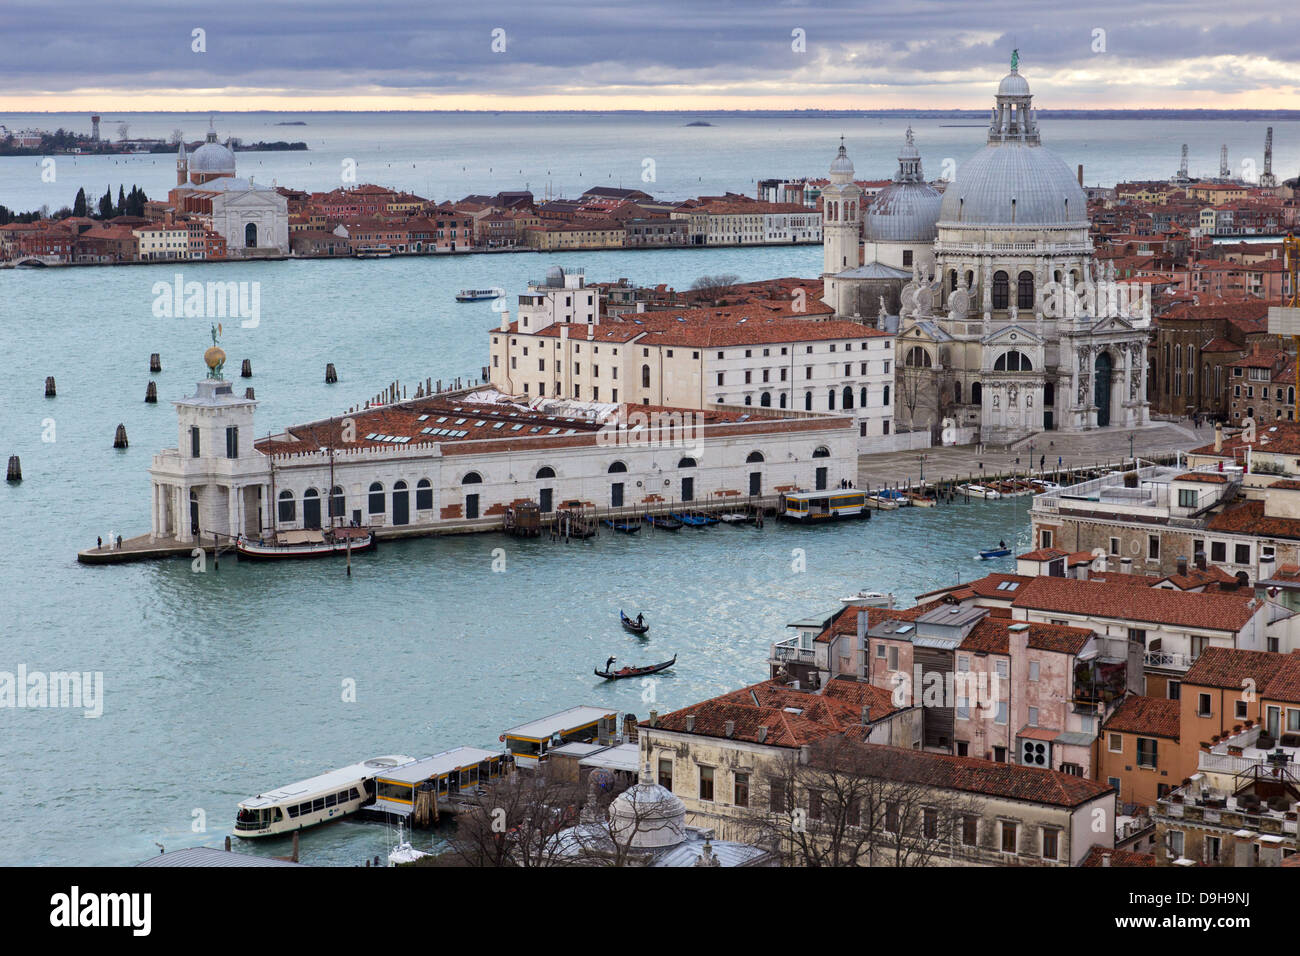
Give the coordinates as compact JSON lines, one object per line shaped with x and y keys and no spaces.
{"x":310,"y":543}
{"x":979,"y":491}
{"x":998,"y":552}
{"x":626,"y":672}
{"x":624,"y":525}
{"x":694,"y":520}
{"x":817,"y":506}
{"x":319,"y":799}
{"x":663,"y":522}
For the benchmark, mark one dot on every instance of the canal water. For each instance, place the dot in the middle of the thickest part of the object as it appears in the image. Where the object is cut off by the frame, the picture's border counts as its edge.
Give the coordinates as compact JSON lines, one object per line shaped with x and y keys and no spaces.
{"x":220,"y":684}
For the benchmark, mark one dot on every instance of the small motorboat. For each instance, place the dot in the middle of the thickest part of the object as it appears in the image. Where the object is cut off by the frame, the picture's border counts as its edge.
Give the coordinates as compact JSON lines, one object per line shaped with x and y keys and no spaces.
{"x":627,"y":527}
{"x":920,"y":499}
{"x":979,"y":491}
{"x":403,"y":853}
{"x":663,"y":522}
{"x":998,"y":552}
{"x":623,"y":672}
{"x":869,"y":599}
{"x":305,"y":544}
{"x":479,"y":295}
{"x":630,"y":624}
{"x":734,"y":517}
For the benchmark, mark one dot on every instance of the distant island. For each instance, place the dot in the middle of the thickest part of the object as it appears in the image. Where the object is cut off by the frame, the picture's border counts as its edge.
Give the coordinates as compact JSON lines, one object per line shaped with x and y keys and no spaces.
{"x":292,"y":123}
{"x":699,"y":123}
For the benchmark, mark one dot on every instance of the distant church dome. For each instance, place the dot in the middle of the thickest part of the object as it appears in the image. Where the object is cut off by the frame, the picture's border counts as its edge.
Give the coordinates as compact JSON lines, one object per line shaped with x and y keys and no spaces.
{"x":647,"y":816}
{"x":908,"y":208}
{"x":212,"y":159}
{"x":1014,"y":180}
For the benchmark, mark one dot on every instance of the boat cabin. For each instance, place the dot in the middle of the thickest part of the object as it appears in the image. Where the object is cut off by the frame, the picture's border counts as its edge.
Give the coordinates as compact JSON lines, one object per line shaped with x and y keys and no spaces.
{"x":530,"y":742}
{"x":318,"y":799}
{"x":811,"y":506}
{"x":452,"y":772}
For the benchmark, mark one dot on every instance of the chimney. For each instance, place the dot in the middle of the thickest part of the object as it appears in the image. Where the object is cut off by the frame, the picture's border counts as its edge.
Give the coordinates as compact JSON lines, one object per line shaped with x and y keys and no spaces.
{"x":731,"y":729}
{"x":654,"y":718}
{"x":505,"y":321}
{"x":591,"y":331}
{"x":1218,"y":437}
{"x":1199,"y":558}
{"x":1126,"y":565}
{"x":805,"y":754}
{"x":1105,"y":859}
{"x":690,"y":723}
{"x":761,"y":736}
{"x":866,"y":715}
{"x":1081,"y":174}
{"x":1182,"y":565}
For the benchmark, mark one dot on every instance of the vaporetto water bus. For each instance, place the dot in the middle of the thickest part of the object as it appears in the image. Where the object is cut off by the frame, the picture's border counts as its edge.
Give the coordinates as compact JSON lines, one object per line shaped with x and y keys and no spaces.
{"x":814,"y":506}
{"x":320,"y":799}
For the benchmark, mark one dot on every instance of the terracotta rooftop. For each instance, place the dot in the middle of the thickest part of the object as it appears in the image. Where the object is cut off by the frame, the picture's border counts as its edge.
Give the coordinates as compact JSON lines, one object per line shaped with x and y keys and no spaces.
{"x":1229,"y":667}
{"x":1157,"y":716}
{"x":1249,"y":518}
{"x":1212,"y":610}
{"x":1118,"y":857}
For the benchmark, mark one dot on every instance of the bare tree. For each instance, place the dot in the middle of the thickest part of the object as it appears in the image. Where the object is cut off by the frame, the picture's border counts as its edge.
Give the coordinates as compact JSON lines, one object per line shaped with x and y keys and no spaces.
{"x":843,"y":803}
{"x":913,"y":384}
{"x":123,"y":131}
{"x":515,"y":821}
{"x":176,"y":137}
{"x":712,"y":288}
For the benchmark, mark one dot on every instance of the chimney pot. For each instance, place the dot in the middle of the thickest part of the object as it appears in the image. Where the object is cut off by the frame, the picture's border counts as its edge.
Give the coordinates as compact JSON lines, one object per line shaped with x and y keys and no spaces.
{"x":690,"y":723}
{"x":762,"y":734}
{"x":731,"y":728}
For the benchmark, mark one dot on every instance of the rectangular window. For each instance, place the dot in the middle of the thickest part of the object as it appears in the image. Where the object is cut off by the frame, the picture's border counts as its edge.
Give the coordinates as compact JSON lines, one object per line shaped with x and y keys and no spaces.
{"x":1218,"y":551}
{"x":194,"y":441}
{"x":1033,"y":716}
{"x":930,"y":822}
{"x":1203,"y":705}
{"x":1114,"y":545}
{"x":1153,"y":547}
{"x":666,"y":772}
{"x":777,"y":803}
{"x":970,"y":830}
{"x":891,"y":817}
{"x":893,"y":659}
{"x":742,"y":790}
{"x":1146,"y":752}
{"x":1241,"y":554}
{"x":706,"y":783}
{"x":1033,"y":670}
{"x":232,"y":441}
{"x":1187,"y":497}
{"x":1051,"y":838}
{"x":1008,"y":837}
{"x":814,"y":804}
{"x":1115,"y":743}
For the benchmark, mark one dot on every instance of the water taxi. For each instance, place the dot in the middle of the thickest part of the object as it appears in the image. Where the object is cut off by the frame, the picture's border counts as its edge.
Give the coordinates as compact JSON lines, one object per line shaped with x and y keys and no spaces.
{"x":305,"y":544}
{"x":816,"y":506}
{"x":869,"y":599}
{"x":979,"y":491}
{"x":319,"y":799}
{"x":479,"y":295}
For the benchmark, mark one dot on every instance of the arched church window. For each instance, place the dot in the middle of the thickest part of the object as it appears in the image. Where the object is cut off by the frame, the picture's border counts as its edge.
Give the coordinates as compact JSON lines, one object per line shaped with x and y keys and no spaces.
{"x":1025,"y":290}
{"x":977,"y":394}
{"x":917,"y":357}
{"x":1000,"y":290}
{"x":1013,"y":361}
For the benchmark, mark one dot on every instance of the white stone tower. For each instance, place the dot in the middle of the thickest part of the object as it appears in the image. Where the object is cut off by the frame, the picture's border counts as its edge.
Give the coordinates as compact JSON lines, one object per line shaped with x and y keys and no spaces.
{"x":841,"y":215}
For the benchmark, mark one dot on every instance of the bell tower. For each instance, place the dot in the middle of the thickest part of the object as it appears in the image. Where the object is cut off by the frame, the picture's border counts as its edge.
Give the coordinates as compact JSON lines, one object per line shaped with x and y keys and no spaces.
{"x":182,"y":165}
{"x":841,"y":216}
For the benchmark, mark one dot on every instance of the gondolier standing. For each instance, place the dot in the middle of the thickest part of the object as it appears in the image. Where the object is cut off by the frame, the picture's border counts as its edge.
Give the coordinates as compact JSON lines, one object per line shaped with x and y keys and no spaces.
{"x":610,"y":663}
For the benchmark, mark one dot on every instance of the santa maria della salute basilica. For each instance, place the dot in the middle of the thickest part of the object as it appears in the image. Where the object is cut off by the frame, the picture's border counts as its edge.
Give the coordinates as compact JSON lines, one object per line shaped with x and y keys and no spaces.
{"x":1005,"y":324}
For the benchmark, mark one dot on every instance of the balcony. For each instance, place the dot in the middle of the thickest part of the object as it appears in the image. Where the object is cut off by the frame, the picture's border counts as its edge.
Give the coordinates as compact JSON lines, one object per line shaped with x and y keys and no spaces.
{"x":1167,"y":660}
{"x":789,"y":651}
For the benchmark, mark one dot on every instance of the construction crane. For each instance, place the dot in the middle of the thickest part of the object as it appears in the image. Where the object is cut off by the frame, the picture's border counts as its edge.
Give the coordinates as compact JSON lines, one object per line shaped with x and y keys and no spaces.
{"x":1291,"y":262}
{"x":1266,"y":178}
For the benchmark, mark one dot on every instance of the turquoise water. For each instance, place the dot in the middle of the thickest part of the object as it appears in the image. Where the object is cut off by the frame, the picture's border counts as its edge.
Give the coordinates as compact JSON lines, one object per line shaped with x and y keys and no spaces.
{"x":225,"y":683}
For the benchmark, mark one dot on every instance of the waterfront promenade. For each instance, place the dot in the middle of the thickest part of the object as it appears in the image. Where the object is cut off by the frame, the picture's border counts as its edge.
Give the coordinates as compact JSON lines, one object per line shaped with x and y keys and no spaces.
{"x":1082,"y":450}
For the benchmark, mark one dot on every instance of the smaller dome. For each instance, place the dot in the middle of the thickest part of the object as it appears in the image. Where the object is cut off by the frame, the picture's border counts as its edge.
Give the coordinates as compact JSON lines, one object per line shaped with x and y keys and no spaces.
{"x":555,"y":277}
{"x":1013,"y":84}
{"x":842,"y":166}
{"x":648,"y":816}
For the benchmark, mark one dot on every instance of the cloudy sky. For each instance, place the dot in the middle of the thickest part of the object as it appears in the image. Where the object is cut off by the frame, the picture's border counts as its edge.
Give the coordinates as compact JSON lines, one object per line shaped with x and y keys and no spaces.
{"x":639,"y":54}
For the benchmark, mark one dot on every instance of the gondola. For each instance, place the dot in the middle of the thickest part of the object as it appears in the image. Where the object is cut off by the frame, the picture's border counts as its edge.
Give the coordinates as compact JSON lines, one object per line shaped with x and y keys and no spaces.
{"x":636,"y":671}
{"x":630,"y":625}
{"x":695,"y":521}
{"x":627,"y":527}
{"x":663,"y":522}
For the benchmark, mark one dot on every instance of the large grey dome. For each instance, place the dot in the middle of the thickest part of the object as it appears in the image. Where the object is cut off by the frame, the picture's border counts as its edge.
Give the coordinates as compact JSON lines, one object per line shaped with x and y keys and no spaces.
{"x":212,"y":158}
{"x":1013,"y":180}
{"x":904,"y":212}
{"x":1013,"y":183}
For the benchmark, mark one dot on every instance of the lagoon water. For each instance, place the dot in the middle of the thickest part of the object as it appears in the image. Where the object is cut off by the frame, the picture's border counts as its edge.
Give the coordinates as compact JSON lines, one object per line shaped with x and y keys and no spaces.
{"x":220,"y":684}
{"x":450,"y":155}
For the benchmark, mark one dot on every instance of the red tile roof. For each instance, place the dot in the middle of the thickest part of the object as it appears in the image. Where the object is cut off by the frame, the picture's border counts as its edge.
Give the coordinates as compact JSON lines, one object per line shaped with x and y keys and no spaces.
{"x":1212,"y":610}
{"x":1156,"y":716}
{"x":1118,"y":857}
{"x":1228,"y":667}
{"x":1249,"y":518}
